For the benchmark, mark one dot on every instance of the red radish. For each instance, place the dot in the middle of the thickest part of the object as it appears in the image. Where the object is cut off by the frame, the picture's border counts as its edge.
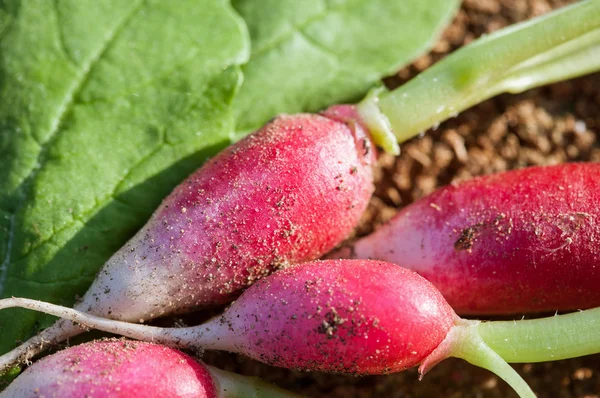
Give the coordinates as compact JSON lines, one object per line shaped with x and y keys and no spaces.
{"x":353,"y":317}
{"x":356,"y":317}
{"x":129,"y":369}
{"x":513,"y":242}
{"x":286,"y":194}
{"x":115,"y":369}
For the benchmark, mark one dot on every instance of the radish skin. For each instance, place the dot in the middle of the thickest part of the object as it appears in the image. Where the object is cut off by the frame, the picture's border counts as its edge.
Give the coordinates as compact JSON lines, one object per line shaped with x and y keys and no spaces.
{"x":502,"y":243}
{"x":114,"y":369}
{"x":129,"y":369}
{"x":284,"y":195}
{"x":340,"y":317}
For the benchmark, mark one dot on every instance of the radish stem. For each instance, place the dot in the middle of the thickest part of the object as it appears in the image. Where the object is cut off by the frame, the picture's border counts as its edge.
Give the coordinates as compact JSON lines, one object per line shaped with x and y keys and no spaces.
{"x":165,"y":336}
{"x":236,"y":386}
{"x":557,"y":46}
{"x":378,"y":124}
{"x":545,"y":339}
{"x":207,"y":336}
{"x":463,"y":341}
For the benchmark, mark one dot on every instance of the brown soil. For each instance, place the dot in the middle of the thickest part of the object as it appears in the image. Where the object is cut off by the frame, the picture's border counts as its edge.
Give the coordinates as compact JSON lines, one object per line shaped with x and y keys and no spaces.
{"x":554,"y":124}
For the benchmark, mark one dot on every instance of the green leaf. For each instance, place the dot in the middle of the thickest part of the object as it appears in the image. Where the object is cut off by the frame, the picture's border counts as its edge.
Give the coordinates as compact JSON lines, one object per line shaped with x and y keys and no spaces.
{"x":105,"y":107}
{"x":309,"y":54}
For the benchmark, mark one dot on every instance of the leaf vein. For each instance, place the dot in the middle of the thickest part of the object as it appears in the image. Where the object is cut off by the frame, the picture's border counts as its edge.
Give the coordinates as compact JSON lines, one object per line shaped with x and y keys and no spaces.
{"x":294,"y":29}
{"x":60,"y":35}
{"x":84,"y":216}
{"x":7,"y":26}
{"x":6,"y":261}
{"x":161,"y":144}
{"x":53,"y":282}
{"x":318,"y":46}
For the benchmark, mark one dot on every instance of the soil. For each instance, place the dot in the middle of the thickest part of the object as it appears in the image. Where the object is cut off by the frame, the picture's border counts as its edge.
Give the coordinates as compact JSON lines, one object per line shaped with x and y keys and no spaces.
{"x":549,"y":125}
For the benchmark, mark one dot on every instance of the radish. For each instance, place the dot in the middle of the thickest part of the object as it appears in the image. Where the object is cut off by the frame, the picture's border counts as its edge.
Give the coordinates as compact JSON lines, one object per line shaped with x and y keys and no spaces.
{"x":286,"y":194}
{"x":354,"y":317}
{"x":513,"y":242}
{"x":121,"y":368}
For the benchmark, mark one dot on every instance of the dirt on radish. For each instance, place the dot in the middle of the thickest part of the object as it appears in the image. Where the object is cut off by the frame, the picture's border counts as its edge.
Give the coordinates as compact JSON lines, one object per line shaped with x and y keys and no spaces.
{"x":550,"y":125}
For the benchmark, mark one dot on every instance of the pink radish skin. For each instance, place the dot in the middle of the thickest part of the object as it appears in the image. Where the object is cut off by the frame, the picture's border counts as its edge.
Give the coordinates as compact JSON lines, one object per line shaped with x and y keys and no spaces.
{"x":357,"y":318}
{"x":515,"y":242}
{"x":116,"y":368}
{"x":286,"y":194}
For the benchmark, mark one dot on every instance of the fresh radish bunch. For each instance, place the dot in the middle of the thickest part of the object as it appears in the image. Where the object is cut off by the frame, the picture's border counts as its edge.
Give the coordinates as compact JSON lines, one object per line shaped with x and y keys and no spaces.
{"x":513,"y":242}
{"x":360,"y":317}
{"x":291,"y":192}
{"x":129,"y":369}
{"x":286,"y":194}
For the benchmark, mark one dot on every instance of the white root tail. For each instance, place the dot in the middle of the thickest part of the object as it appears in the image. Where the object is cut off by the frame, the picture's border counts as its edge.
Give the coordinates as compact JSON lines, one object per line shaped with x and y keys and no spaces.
{"x":60,"y":331}
{"x":75,"y":322}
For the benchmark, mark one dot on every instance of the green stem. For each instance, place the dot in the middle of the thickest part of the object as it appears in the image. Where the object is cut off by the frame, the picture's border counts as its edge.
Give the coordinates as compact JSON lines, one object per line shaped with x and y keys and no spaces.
{"x":231,"y":385}
{"x":491,"y":345}
{"x":557,"y":46}
{"x":463,"y":341}
{"x":545,"y":339}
